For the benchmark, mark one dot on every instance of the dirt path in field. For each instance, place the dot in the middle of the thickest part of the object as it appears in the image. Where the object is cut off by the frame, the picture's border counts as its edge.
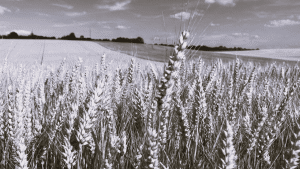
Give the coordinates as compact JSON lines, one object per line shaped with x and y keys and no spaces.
{"x":53,"y":52}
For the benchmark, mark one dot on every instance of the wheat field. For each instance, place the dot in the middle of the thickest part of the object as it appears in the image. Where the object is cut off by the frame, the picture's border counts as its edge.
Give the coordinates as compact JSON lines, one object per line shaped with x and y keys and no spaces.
{"x":190,"y":115}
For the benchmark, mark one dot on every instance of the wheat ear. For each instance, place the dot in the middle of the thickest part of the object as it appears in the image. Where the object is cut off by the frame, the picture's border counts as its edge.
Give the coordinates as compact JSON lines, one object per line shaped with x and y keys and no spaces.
{"x":227,"y":152}
{"x":167,"y":82}
{"x":292,"y":156}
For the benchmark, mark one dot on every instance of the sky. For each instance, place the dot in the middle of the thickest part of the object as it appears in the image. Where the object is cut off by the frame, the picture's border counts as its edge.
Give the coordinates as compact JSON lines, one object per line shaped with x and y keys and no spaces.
{"x":263,"y":24}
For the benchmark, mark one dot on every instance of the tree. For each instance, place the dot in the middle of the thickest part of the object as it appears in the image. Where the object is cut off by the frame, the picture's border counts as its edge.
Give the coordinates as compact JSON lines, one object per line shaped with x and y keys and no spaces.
{"x":12,"y":35}
{"x":72,"y":36}
{"x":139,"y":40}
{"x":81,"y":37}
{"x":32,"y":36}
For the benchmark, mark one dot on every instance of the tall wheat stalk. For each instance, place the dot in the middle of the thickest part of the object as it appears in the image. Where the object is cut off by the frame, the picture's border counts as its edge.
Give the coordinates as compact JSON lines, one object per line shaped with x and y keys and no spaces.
{"x":166,"y":85}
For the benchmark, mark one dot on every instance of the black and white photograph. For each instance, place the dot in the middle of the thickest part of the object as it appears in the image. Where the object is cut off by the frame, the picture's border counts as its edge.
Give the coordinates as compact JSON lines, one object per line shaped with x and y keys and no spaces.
{"x":149,"y":84}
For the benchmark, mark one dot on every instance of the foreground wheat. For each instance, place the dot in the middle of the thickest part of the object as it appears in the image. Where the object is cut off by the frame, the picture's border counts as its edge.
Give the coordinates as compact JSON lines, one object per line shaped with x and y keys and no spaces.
{"x":202,"y":115}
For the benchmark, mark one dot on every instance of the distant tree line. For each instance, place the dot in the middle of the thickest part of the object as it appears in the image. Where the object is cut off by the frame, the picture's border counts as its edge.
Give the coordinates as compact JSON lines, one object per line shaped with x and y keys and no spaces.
{"x":220,"y":48}
{"x":206,"y":48}
{"x":133,"y":40}
{"x":71,"y":36}
{"x":14,"y":35}
{"x":170,"y":45}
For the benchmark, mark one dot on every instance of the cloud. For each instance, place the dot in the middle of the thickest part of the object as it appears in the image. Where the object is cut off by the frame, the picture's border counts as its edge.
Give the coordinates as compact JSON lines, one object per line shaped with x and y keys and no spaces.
{"x":255,"y":36}
{"x":231,"y":40}
{"x":3,"y":10}
{"x":156,"y":38}
{"x":75,"y":13}
{"x":122,"y":27}
{"x":244,"y":35}
{"x":70,"y":24}
{"x":214,"y":37}
{"x":104,"y":22}
{"x":109,"y":22}
{"x":281,"y":23}
{"x":237,"y":34}
{"x":41,"y":14}
{"x":282,"y":3}
{"x":64,"y":6}
{"x":240,"y":34}
{"x":20,"y":32}
{"x":106,"y":27}
{"x":225,"y":36}
{"x":263,"y":14}
{"x":214,"y":24}
{"x":181,"y":15}
{"x":145,"y":17}
{"x":197,"y":14}
{"x":210,"y":1}
{"x":116,"y":6}
{"x":294,"y":16}
{"x":185,"y":15}
{"x":222,"y":2}
{"x":58,"y":25}
{"x":291,"y":16}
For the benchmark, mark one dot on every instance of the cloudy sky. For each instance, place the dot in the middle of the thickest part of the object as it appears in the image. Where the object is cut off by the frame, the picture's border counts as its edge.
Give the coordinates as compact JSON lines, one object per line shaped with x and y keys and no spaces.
{"x":244,"y":23}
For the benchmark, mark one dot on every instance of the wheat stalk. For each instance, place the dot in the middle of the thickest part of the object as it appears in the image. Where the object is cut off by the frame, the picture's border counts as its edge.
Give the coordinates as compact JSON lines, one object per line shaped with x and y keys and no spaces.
{"x":292,"y":155}
{"x":166,"y":84}
{"x":227,"y":151}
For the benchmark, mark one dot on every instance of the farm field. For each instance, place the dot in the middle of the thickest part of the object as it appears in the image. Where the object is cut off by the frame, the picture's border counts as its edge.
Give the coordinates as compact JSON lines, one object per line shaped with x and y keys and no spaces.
{"x":202,"y":113}
{"x":31,"y":51}
{"x":284,"y":54}
{"x":162,"y":53}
